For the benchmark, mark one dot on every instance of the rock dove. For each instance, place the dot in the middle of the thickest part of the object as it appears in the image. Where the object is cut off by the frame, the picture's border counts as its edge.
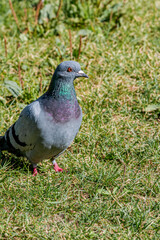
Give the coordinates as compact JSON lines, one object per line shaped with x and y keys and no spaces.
{"x":47,"y":126}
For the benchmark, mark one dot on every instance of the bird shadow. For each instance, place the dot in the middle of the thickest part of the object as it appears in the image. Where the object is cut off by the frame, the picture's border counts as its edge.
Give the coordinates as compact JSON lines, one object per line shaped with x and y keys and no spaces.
{"x":11,"y":162}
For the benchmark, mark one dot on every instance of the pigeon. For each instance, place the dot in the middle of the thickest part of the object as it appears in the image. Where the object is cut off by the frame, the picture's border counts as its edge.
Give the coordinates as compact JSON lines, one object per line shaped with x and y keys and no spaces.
{"x":47,"y":126}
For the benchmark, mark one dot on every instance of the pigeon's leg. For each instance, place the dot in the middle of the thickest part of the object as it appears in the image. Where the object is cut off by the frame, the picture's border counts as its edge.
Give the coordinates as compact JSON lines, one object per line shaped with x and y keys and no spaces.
{"x":34,"y":169}
{"x":56,"y":167}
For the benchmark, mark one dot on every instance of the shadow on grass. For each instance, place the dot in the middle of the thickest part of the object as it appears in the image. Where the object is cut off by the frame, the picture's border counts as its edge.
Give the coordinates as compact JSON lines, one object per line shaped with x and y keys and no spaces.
{"x":11,"y":162}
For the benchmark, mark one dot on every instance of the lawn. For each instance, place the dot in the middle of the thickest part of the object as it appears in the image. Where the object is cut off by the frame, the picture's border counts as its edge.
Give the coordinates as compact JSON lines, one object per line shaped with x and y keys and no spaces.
{"x":111,"y":186}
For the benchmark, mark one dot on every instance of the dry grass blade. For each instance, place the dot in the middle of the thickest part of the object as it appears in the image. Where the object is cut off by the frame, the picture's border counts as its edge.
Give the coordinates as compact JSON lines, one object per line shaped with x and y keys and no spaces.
{"x":39,"y":6}
{"x":14,"y":14}
{"x":20,"y":76}
{"x":59,"y":8}
{"x":70,"y":41}
{"x":40,"y":83}
{"x":5,"y":45}
{"x":80,"y":46}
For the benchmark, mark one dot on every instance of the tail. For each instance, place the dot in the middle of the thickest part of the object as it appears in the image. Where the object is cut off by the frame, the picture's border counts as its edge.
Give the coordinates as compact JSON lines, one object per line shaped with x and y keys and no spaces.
{"x":2,"y":141}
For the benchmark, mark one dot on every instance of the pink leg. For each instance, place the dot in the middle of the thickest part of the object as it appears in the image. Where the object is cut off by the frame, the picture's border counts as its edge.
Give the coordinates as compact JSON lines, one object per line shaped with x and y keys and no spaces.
{"x":35,"y":171}
{"x":56,"y":167}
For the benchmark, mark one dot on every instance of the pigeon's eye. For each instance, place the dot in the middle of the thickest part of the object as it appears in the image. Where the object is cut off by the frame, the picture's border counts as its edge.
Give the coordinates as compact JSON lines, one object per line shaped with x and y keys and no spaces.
{"x":69,"y":69}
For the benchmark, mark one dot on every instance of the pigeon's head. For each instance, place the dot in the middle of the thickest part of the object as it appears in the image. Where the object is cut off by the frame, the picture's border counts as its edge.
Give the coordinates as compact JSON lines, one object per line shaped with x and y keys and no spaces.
{"x":69,"y":70}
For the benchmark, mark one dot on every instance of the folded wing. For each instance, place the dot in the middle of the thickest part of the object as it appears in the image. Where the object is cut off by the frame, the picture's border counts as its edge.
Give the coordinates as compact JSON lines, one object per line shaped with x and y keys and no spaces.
{"x":22,"y":135}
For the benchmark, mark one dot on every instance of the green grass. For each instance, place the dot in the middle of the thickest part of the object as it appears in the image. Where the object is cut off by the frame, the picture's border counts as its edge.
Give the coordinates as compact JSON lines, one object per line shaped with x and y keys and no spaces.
{"x":112,"y":187}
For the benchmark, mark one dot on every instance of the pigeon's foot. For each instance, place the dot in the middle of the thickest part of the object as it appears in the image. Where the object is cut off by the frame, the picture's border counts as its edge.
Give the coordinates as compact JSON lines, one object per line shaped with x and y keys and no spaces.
{"x":35,"y":171}
{"x":56,"y":167}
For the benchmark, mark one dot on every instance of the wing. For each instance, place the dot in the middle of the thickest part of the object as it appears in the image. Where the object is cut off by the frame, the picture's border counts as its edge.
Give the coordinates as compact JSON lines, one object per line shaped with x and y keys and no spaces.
{"x":23,"y":134}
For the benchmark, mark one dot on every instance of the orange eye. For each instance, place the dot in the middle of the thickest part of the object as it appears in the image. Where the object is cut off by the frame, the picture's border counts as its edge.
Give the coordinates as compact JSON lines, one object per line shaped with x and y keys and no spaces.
{"x":69,"y":69}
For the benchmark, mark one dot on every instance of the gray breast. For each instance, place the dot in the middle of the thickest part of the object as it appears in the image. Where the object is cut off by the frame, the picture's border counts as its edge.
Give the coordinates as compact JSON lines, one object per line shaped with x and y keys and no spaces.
{"x":58,"y":134}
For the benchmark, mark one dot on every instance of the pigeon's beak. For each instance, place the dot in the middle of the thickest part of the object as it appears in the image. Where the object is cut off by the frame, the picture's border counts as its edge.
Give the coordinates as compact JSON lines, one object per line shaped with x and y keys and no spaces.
{"x":81,"y":74}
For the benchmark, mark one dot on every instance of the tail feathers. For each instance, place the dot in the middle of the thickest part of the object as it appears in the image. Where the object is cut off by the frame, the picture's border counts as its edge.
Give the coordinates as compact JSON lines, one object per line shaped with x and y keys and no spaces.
{"x":2,"y":142}
{"x":6,"y":146}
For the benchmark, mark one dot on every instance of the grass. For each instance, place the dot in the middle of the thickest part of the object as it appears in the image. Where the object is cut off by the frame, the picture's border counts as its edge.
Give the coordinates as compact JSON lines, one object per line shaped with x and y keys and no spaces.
{"x":111,"y":189}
